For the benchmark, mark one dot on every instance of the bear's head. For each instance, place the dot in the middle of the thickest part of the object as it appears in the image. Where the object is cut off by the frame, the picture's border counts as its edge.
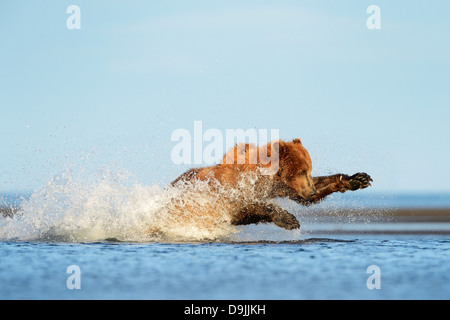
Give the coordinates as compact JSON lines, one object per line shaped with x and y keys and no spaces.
{"x":294,"y":167}
{"x":288,"y":162}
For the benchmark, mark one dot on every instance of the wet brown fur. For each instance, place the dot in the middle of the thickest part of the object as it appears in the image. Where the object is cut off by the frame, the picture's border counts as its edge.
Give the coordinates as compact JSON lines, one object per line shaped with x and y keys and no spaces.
{"x":292,"y":180}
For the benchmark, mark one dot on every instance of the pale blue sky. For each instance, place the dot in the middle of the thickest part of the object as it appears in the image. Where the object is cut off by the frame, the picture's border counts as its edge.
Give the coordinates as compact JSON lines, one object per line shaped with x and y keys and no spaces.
{"x":112,"y":93}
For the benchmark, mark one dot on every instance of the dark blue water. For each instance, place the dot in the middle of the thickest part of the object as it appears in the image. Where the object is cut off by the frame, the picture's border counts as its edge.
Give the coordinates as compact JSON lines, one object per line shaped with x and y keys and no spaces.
{"x":409,"y":268}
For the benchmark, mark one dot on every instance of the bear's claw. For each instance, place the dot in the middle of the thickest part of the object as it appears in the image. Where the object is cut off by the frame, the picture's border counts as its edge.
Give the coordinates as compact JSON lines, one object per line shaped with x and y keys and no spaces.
{"x":360,"y":180}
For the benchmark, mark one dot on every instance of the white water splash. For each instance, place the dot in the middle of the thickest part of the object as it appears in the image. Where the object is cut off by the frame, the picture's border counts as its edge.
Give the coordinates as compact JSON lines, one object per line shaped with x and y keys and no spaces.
{"x":72,"y":209}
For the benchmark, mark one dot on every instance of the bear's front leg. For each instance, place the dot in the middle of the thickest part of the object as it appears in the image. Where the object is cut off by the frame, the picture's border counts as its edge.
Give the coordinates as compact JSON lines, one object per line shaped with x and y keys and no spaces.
{"x":327,"y":185}
{"x":264,"y":212}
{"x":284,"y":219}
{"x":339,"y":182}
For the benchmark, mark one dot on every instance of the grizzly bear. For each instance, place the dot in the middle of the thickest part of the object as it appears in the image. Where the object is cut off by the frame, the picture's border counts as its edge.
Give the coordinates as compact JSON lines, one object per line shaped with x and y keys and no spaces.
{"x":247,"y":187}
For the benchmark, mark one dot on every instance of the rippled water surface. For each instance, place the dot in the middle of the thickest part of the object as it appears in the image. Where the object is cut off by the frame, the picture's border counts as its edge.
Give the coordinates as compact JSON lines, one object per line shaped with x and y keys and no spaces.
{"x":411,"y":267}
{"x":102,"y":228}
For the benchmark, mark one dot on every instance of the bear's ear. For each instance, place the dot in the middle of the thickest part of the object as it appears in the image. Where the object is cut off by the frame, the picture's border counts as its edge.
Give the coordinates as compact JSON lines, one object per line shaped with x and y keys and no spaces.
{"x":297,"y":140}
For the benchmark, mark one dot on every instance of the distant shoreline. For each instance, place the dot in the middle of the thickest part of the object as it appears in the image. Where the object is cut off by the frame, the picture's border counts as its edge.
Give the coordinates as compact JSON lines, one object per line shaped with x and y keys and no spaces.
{"x":7,"y":212}
{"x":326,"y":222}
{"x":387,"y":215}
{"x":381,"y":215}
